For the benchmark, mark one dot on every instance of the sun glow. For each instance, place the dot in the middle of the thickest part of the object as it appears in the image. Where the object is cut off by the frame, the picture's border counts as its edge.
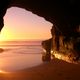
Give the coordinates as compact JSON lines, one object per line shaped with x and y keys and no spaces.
{"x":1,"y":71}
{"x":61,"y":56}
{"x":5,"y":34}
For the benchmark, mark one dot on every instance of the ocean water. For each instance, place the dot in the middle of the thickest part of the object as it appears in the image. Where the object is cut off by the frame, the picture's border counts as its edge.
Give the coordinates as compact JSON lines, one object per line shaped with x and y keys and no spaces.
{"x":19,"y":55}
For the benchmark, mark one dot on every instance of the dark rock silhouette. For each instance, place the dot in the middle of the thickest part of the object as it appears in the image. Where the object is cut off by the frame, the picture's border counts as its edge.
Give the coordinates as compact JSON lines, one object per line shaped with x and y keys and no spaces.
{"x":64,"y":14}
{"x":64,"y":45}
{"x":3,"y":7}
{"x":1,"y":50}
{"x":47,"y":47}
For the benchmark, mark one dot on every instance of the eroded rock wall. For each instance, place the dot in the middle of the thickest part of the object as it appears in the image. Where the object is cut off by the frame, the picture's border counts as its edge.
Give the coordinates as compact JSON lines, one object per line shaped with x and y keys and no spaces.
{"x":60,"y":44}
{"x":4,"y":4}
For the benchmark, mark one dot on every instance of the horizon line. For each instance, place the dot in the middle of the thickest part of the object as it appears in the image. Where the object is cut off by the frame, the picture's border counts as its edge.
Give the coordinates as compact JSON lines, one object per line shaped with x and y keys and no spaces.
{"x":23,"y":40}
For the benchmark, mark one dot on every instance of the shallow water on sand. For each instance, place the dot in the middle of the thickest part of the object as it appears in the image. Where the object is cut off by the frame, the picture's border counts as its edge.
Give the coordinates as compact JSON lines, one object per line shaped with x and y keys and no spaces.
{"x":17,"y":57}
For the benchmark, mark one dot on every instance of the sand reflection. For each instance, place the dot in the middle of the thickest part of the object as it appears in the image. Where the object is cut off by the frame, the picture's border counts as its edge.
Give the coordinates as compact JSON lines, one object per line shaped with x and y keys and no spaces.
{"x":19,"y":61}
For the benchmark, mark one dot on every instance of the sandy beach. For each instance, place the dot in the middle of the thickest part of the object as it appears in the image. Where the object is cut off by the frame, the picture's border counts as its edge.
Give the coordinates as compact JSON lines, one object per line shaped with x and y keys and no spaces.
{"x":54,"y":70}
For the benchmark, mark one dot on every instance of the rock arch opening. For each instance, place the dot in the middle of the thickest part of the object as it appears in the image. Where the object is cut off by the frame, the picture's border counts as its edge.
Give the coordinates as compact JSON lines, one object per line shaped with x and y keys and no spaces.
{"x":64,"y":15}
{"x":24,"y":25}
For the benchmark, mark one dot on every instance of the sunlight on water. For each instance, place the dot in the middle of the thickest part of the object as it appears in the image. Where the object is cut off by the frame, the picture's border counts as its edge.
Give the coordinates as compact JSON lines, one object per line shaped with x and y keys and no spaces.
{"x":17,"y":57}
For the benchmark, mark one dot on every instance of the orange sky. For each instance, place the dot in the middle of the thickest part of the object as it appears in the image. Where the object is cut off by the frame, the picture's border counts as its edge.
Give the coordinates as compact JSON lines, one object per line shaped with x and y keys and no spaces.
{"x":24,"y":25}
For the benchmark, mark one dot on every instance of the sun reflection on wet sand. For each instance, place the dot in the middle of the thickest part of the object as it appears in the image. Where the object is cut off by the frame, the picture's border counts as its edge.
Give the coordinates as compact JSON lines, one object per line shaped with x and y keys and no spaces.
{"x":1,"y":71}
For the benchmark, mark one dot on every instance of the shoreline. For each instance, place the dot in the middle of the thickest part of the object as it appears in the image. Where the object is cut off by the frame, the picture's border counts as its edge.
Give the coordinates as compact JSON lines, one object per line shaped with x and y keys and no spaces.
{"x":53,"y":70}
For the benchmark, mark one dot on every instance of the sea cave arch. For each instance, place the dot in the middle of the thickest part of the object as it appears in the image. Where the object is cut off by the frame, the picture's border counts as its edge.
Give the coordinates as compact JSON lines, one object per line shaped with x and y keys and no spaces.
{"x":20,"y":24}
{"x":65,"y":16}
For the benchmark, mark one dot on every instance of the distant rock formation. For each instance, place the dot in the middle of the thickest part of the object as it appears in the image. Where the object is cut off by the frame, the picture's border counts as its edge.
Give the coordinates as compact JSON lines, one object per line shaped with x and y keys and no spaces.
{"x":1,"y":50}
{"x":46,"y":56}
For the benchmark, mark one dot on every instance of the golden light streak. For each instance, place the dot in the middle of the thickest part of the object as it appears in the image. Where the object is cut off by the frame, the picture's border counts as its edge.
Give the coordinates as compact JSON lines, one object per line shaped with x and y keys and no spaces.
{"x":58,"y":56}
{"x":1,"y":71}
{"x":62,"y":56}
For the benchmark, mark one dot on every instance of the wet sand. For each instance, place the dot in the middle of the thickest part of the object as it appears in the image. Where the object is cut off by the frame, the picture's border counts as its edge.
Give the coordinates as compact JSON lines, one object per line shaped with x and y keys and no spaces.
{"x":54,"y":70}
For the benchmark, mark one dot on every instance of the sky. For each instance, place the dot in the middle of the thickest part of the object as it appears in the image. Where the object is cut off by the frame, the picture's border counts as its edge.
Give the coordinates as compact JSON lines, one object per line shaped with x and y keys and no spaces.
{"x":20,"y":24}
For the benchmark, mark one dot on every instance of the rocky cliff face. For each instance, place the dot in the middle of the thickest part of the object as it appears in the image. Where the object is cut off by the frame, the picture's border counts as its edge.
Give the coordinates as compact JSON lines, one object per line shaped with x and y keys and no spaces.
{"x":3,"y":7}
{"x":62,"y":47}
{"x":64,"y":14}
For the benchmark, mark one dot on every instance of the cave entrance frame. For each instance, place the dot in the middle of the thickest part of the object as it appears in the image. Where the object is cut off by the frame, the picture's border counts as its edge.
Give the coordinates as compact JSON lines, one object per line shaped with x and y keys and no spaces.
{"x":35,"y":19}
